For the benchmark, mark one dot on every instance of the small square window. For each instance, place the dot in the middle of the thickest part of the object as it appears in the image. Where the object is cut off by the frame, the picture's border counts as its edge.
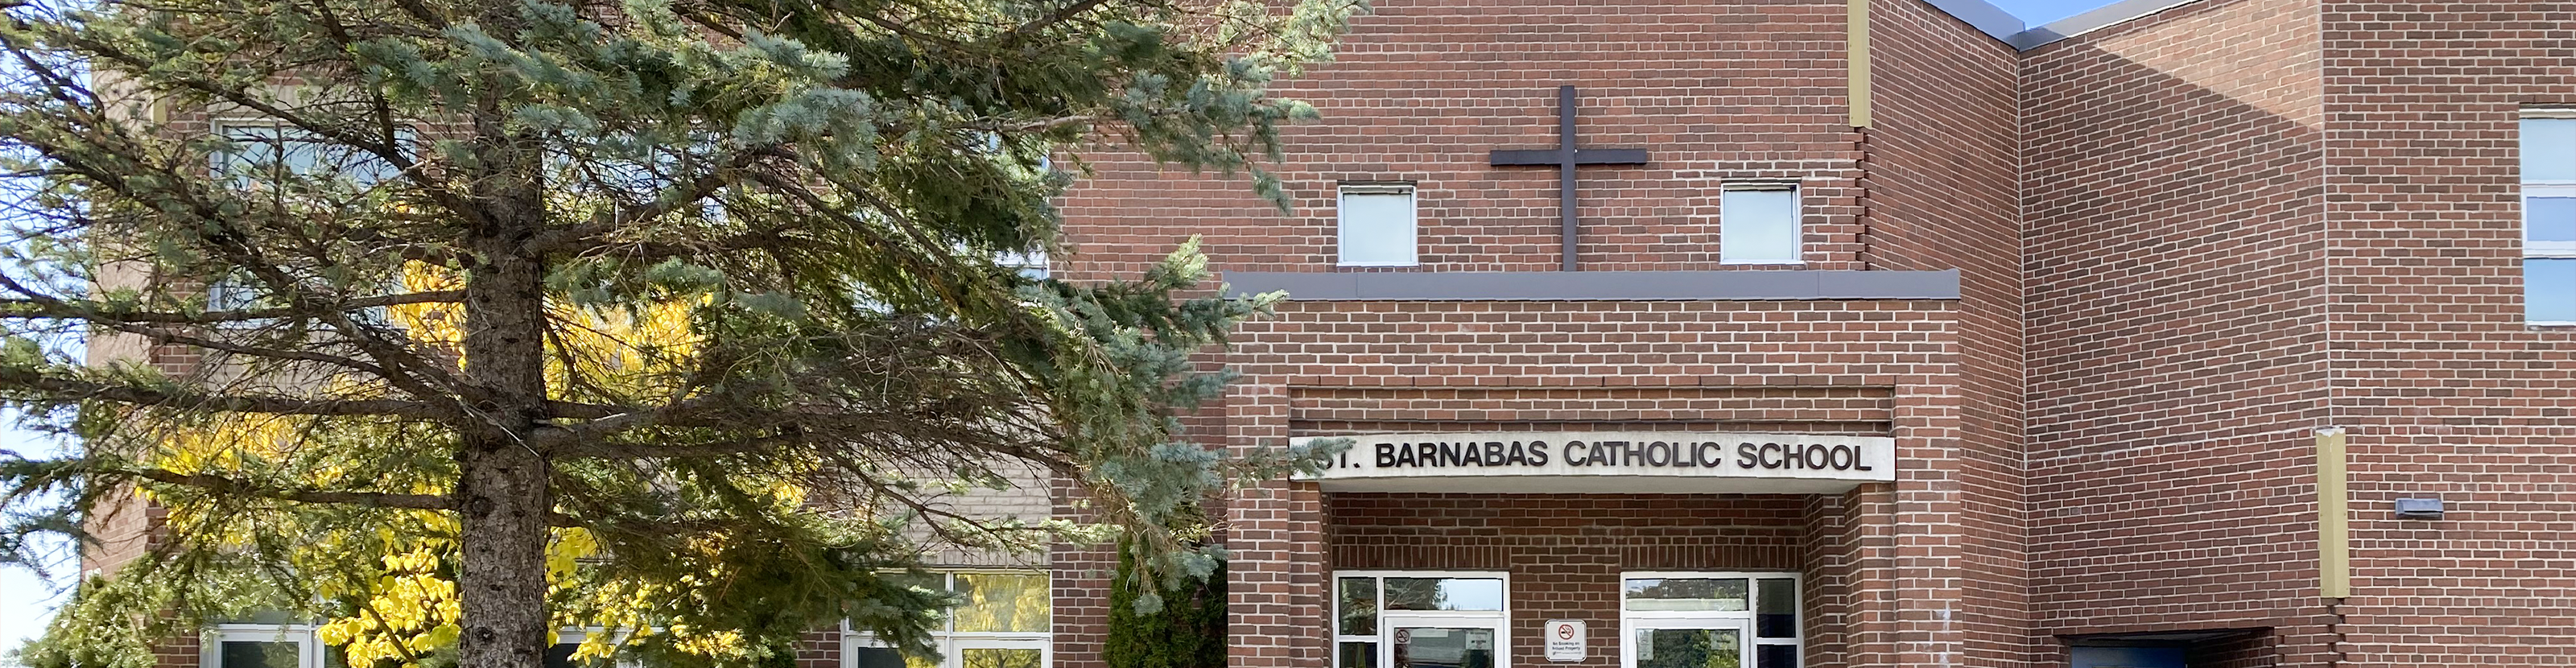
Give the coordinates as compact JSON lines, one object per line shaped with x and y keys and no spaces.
{"x":2549,"y":290}
{"x":1377,"y":227}
{"x":1758,"y":224}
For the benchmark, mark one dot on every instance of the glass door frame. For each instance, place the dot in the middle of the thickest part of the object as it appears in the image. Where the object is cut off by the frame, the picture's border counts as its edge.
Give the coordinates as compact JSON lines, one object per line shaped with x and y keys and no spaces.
{"x":1500,"y":622}
{"x":1742,"y":626}
{"x":1749,"y":618}
{"x":1384,"y":655}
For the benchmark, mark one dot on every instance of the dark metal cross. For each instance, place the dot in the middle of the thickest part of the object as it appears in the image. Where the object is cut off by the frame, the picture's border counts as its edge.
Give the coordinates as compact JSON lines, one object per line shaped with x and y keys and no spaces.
{"x":1565,"y":156}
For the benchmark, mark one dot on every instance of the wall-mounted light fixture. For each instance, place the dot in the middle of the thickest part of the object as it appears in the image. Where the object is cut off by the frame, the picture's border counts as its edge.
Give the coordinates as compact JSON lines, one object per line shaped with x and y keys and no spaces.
{"x":2419,"y":509}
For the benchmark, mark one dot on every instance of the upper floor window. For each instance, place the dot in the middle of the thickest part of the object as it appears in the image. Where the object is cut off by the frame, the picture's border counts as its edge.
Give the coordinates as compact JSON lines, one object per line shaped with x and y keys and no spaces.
{"x":1758,"y":224}
{"x":1377,"y":227}
{"x":273,"y":152}
{"x":1701,"y":620}
{"x":1007,"y":621}
{"x":2549,"y":217}
{"x":1032,"y":264}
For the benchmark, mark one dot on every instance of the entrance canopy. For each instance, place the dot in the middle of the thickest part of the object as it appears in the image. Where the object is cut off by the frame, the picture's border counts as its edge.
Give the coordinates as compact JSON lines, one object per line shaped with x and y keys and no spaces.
{"x":1609,"y":463}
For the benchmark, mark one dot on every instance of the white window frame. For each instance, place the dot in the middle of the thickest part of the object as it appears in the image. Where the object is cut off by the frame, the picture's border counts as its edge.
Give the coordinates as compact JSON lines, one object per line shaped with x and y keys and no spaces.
{"x":1747,"y":619}
{"x":1498,"y":620}
{"x":224,"y":127}
{"x":210,"y":645}
{"x":949,"y":640}
{"x":578,"y":636}
{"x":1797,"y":221}
{"x":1342,"y":222}
{"x":1032,"y":264}
{"x":2532,"y":250}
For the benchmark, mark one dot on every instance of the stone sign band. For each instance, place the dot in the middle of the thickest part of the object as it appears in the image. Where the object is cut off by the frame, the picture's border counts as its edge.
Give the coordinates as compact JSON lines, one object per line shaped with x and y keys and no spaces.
{"x":1548,"y":462}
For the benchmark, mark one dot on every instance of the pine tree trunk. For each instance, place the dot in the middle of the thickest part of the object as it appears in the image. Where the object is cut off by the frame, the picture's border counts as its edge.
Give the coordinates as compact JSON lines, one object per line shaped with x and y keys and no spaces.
{"x":502,"y":580}
{"x":502,"y":489}
{"x":501,"y":492}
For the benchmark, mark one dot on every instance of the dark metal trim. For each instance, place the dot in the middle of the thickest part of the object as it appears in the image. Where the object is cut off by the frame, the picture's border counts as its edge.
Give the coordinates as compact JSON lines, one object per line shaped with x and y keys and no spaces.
{"x":1746,"y":285}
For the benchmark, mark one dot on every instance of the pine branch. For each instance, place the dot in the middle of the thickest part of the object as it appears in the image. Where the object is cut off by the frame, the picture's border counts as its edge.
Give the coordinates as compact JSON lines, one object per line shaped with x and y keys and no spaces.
{"x":95,"y":312}
{"x":238,"y":487}
{"x":31,"y":386}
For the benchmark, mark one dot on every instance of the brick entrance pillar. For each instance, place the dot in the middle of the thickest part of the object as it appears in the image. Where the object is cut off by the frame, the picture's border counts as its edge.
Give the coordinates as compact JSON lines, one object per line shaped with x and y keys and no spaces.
{"x":1275,"y":581}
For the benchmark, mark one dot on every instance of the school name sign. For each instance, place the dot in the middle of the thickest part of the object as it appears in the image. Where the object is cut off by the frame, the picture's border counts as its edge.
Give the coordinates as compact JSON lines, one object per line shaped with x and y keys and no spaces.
{"x":1610,"y":462}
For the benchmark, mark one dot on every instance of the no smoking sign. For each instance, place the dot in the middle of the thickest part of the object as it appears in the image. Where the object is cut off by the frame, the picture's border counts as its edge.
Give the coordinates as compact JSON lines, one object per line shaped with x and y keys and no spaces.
{"x":1564,"y":640}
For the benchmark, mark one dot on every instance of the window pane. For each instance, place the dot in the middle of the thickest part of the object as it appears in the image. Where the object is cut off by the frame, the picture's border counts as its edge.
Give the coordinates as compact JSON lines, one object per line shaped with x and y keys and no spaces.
{"x":2548,"y":149}
{"x":2549,"y":218}
{"x":278,"y":151}
{"x":1359,"y":655}
{"x":1444,"y":594}
{"x":1686,"y":594}
{"x":929,"y":581}
{"x":250,"y":654}
{"x":877,"y":657}
{"x":1775,"y":656}
{"x":1000,"y":658}
{"x":1359,"y":606}
{"x":1758,"y":226}
{"x":1435,"y":647}
{"x":999,"y":602}
{"x":560,"y":655}
{"x":2549,"y":290}
{"x":1690,"y":648}
{"x":1778,"y":616}
{"x":1377,"y":229}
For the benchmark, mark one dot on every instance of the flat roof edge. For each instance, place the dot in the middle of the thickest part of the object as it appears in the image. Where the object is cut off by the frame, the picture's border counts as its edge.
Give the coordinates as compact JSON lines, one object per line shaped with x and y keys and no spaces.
{"x":1986,"y":18}
{"x":1722,"y":285}
{"x":2106,"y":16}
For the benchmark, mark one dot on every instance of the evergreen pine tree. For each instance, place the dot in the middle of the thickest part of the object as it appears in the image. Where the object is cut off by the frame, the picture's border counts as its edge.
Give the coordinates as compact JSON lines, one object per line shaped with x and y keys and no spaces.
{"x":668,"y":316}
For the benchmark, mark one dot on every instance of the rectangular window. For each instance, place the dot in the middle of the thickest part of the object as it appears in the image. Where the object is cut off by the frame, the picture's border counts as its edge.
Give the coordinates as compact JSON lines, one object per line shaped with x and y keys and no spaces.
{"x":1758,"y":224}
{"x":265,"y":152}
{"x":1032,"y":264}
{"x":1007,"y":621}
{"x":260,"y":646}
{"x":1377,"y":227}
{"x":2549,"y":218}
{"x":1420,"y":619}
{"x":1705,"y":620}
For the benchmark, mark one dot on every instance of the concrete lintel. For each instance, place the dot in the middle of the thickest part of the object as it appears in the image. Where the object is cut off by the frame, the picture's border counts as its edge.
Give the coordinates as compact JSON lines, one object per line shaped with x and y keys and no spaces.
{"x":1746,"y":285}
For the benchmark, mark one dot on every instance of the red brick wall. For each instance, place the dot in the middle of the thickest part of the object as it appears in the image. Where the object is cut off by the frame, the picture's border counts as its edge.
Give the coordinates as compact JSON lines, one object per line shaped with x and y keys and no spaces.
{"x":1939,"y":192}
{"x":1422,"y":90}
{"x":1324,"y":367}
{"x":2444,"y":390}
{"x":2174,"y":245}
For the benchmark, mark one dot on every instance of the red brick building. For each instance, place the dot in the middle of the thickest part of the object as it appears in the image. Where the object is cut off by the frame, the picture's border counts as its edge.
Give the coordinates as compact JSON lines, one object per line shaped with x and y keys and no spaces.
{"x":1892,"y":334}
{"x":2099,"y":286}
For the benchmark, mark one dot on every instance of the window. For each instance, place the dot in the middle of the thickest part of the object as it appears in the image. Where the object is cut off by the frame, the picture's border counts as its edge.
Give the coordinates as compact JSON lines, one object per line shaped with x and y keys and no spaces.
{"x":1377,"y":227}
{"x":259,"y":646}
{"x":1420,"y":619}
{"x":1758,"y":224}
{"x":2549,"y":217}
{"x":1709,"y":620}
{"x":275,"y":152}
{"x":1006,"y":622}
{"x":1032,"y":264}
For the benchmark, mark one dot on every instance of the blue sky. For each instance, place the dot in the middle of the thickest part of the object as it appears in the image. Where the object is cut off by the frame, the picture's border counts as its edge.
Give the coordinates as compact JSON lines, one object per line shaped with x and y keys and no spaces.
{"x":2040,"y":12}
{"x":26,"y":601}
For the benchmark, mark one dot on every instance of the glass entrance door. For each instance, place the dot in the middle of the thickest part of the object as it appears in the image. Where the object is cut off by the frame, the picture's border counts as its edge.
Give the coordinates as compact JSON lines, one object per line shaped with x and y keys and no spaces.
{"x":1442,"y":641}
{"x":1679,"y":643}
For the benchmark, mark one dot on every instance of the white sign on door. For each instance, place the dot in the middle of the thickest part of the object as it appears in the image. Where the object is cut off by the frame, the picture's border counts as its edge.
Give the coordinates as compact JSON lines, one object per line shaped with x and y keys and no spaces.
{"x":1564,"y":640}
